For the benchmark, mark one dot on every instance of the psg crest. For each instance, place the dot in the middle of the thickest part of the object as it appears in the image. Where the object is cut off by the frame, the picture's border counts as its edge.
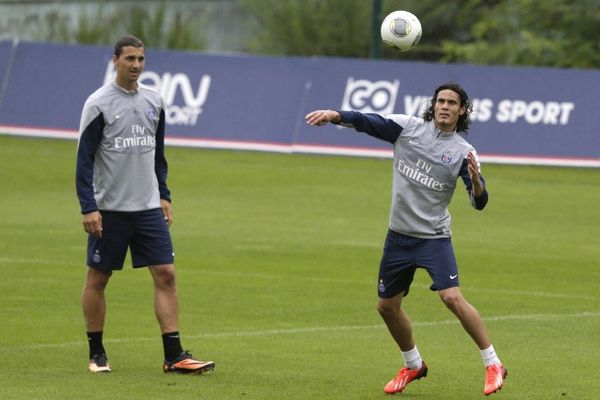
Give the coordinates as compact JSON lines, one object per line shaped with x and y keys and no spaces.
{"x":446,"y":158}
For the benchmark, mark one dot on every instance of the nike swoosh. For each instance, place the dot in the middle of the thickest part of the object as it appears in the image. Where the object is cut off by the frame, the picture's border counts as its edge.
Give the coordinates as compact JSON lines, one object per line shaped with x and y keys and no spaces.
{"x":453,"y":276}
{"x":117,"y":116}
{"x":412,"y":142}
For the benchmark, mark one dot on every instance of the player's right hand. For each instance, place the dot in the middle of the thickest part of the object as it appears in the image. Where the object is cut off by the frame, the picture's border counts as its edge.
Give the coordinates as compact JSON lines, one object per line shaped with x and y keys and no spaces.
{"x":92,"y":223}
{"x":322,"y":117}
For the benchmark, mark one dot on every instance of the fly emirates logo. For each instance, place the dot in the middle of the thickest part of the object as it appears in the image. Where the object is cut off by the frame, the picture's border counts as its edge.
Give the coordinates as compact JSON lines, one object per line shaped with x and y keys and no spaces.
{"x":420,"y":174}
{"x":169,"y":86}
{"x":138,"y":138}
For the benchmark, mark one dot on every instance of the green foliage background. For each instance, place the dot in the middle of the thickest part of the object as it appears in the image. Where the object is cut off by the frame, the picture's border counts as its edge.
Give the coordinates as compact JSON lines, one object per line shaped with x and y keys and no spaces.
{"x":98,"y":25}
{"x":552,"y":33}
{"x":558,"y":33}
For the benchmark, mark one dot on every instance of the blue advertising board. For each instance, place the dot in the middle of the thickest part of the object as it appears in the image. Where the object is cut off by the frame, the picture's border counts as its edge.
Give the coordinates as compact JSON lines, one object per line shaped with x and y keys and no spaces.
{"x":528,"y":112}
{"x":521,"y":115}
{"x":227,"y":98}
{"x":48,"y":85}
{"x":6,"y":52}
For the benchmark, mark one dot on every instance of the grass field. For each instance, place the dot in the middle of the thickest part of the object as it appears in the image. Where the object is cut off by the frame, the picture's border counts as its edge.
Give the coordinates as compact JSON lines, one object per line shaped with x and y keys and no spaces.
{"x":277,"y":257}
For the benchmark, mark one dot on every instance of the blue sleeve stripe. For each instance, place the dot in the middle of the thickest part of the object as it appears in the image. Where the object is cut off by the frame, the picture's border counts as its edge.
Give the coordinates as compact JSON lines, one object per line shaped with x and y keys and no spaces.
{"x":372,"y":124}
{"x":478,"y":202}
{"x":160,"y":162}
{"x":86,"y":155}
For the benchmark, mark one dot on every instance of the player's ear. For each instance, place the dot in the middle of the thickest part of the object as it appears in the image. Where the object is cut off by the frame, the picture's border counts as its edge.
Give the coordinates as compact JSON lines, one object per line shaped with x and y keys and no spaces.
{"x":114,"y":60}
{"x":462,"y":110}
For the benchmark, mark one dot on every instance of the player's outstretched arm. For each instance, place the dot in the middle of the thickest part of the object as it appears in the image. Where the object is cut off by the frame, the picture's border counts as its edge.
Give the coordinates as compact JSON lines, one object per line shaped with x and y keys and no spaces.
{"x":322,"y":117}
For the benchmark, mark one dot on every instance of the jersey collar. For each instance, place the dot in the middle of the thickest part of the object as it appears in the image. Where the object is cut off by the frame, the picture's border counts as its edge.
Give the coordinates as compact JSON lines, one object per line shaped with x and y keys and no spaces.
{"x":125,"y":91}
{"x":438,"y":133}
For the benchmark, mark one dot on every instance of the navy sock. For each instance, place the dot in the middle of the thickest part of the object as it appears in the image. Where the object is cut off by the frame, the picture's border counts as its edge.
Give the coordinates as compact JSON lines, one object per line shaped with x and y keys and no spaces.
{"x":171,"y":345}
{"x":95,"y":343}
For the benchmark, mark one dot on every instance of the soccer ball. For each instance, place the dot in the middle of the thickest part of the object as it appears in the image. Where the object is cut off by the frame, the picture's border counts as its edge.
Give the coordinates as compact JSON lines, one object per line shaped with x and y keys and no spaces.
{"x":401,"y":30}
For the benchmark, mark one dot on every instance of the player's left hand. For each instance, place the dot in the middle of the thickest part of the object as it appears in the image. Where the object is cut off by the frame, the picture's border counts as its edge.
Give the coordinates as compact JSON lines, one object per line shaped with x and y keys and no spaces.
{"x":167,"y":211}
{"x":474,"y":174}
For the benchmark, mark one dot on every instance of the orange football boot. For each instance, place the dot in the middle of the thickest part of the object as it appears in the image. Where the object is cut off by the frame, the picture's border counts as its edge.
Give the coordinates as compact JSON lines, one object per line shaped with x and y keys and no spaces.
{"x":494,"y":378}
{"x":186,"y":364}
{"x":404,"y":377}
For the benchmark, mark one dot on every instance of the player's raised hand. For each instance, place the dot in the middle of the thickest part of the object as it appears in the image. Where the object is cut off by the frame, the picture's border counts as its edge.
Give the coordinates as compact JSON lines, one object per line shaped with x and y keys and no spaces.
{"x":322,"y":117}
{"x":474,"y":173}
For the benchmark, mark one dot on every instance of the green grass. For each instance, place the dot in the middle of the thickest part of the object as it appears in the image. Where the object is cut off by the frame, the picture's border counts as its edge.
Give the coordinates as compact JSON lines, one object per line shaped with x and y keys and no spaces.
{"x":277,"y":259}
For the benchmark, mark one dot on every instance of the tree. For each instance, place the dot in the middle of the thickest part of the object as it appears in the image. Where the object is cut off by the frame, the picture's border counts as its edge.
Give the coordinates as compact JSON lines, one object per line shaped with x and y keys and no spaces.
{"x":309,"y":27}
{"x":555,"y":33}
{"x":558,"y":33}
{"x":154,"y":26}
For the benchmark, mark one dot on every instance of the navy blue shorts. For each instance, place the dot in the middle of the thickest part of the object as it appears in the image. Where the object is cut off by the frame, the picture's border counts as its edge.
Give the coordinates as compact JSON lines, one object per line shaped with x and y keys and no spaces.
{"x":402,"y":255}
{"x":145,"y":233}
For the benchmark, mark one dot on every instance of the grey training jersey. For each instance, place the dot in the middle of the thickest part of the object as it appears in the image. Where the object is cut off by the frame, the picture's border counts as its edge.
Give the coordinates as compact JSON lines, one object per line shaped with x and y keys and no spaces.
{"x":427,"y":165}
{"x":426,"y":168}
{"x":120,"y":161}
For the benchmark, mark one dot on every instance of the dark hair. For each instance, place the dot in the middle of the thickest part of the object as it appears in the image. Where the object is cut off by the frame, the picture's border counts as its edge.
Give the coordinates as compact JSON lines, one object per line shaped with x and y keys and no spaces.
{"x":127,"y":40}
{"x":462,"y":125}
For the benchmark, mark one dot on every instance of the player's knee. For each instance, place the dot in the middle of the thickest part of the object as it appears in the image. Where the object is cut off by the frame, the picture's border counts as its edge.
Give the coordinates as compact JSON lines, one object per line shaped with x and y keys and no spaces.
{"x":97,"y":286}
{"x":452,"y":299}
{"x":164,"y":277}
{"x":97,"y":280}
{"x":387,"y":309}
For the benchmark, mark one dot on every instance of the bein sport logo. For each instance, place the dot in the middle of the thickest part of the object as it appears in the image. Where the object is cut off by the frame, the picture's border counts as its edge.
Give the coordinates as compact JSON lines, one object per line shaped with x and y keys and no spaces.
{"x":380,"y":97}
{"x":168,"y":85}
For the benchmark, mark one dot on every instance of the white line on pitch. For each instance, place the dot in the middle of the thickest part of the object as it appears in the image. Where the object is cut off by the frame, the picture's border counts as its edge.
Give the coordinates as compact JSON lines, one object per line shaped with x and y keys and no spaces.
{"x":12,"y":260}
{"x":315,"y":329}
{"x":357,"y":282}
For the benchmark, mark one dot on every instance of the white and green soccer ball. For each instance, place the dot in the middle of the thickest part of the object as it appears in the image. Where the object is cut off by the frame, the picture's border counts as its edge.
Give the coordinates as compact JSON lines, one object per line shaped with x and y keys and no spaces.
{"x":401,"y":30}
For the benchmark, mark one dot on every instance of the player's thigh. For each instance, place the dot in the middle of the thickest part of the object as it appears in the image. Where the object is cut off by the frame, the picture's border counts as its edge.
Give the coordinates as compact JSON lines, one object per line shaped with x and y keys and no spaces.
{"x":151,"y":243}
{"x":437,"y":257}
{"x":108,"y":252}
{"x":397,"y":266}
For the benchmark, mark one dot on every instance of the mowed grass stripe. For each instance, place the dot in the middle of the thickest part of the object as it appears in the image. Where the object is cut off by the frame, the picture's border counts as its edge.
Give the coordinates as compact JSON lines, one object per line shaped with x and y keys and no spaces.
{"x":8,"y":261}
{"x":315,"y":329}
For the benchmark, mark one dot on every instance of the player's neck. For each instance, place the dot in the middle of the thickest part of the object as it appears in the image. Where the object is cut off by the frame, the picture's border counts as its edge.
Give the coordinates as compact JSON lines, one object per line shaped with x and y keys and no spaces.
{"x":445,"y":129}
{"x":126,"y":83}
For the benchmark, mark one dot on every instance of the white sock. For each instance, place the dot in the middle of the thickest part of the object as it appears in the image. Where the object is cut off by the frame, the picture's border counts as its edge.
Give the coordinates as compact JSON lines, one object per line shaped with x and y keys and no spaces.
{"x":412,"y":358}
{"x":489,"y":356}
